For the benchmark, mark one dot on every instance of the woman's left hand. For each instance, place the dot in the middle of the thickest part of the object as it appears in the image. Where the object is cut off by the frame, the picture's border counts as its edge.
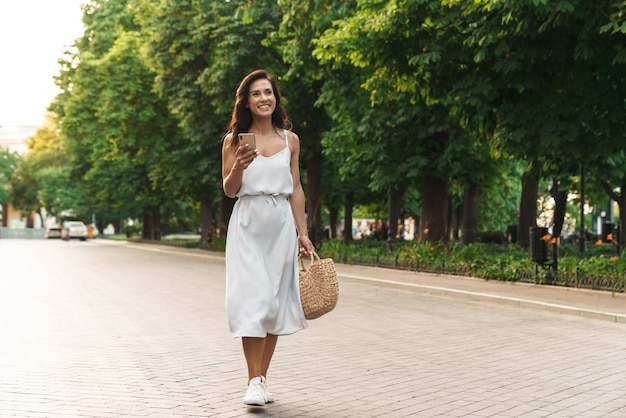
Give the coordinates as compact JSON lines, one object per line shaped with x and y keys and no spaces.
{"x":306,"y":246}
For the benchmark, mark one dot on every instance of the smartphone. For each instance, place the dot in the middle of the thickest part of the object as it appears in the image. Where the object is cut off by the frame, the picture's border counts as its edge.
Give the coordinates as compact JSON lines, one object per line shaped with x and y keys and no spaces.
{"x":247,"y":138}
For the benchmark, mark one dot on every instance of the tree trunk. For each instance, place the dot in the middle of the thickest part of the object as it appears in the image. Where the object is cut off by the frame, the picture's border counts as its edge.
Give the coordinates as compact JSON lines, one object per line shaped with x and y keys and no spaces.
{"x":453,"y":222}
{"x":621,"y":204}
{"x":100,"y":225}
{"x":620,"y":199}
{"x":528,"y":209}
{"x":458,"y":223}
{"x":43,"y":219}
{"x":206,"y":220}
{"x":146,"y":228}
{"x":434,"y":202}
{"x":314,"y":195}
{"x":157,"y":232}
{"x":117,"y":227}
{"x":333,"y":216}
{"x":394,"y":196}
{"x":30,"y":219}
{"x":560,"y":205}
{"x":226,"y":209}
{"x":470,"y":209}
{"x":347,"y":222}
{"x":151,"y":224}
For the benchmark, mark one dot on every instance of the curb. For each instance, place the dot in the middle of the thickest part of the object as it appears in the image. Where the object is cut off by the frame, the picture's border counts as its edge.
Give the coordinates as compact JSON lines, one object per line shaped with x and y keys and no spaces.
{"x":444,"y":291}
{"x":481,"y":296}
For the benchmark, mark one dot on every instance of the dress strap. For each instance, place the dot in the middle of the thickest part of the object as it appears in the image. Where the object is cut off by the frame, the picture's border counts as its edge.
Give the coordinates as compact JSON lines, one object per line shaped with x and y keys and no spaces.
{"x":286,"y":138}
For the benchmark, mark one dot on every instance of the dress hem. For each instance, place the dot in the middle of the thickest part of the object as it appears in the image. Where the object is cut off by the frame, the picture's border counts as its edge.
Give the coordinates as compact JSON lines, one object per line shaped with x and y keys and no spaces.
{"x":235,"y":336}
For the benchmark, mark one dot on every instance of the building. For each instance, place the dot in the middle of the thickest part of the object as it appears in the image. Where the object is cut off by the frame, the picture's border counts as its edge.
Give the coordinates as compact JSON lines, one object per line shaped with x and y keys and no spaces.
{"x":14,"y":138}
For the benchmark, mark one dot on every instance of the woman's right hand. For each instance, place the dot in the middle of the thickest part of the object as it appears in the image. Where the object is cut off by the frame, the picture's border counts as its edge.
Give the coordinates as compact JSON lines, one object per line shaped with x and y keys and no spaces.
{"x":244,"y":157}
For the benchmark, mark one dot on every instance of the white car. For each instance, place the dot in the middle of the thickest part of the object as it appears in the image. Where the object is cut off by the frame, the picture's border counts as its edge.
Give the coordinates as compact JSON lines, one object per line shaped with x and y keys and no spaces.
{"x":54,"y":232}
{"x":74,"y":229}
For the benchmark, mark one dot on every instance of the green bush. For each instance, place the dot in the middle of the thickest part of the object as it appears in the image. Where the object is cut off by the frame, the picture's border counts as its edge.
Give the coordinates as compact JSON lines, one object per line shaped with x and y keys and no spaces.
{"x":488,"y":261}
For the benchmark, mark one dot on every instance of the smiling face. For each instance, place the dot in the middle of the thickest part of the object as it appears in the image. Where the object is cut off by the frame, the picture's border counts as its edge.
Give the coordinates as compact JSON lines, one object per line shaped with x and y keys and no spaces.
{"x":261,"y":99}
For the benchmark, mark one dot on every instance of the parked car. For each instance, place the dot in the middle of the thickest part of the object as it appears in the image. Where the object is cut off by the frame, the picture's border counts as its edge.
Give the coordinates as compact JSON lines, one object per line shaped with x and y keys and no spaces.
{"x":74,"y":229}
{"x":54,"y":232}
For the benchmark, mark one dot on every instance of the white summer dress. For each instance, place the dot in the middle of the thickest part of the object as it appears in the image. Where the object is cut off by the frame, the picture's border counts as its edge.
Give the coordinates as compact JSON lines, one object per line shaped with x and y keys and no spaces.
{"x":262,"y":288}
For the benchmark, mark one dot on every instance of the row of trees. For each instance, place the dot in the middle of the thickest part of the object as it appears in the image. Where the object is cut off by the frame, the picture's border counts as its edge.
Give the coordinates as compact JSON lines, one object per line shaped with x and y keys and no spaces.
{"x":450,"y":111}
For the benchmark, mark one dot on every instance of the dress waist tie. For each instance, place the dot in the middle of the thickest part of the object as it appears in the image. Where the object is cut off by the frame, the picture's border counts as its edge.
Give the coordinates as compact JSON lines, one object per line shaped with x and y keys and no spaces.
{"x":269,"y":198}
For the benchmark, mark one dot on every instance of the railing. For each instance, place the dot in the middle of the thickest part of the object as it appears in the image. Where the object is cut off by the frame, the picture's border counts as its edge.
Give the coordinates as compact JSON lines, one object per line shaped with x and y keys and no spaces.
{"x":25,"y":233}
{"x":498,"y":272}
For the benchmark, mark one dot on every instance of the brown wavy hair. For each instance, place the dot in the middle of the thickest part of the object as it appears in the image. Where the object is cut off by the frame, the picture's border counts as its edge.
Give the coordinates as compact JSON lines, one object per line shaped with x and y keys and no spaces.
{"x":241,"y":119}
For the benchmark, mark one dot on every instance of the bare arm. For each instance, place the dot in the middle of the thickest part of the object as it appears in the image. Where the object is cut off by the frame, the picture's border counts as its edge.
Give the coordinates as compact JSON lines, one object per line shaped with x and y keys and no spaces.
{"x":297,"y":198}
{"x":234,"y":161}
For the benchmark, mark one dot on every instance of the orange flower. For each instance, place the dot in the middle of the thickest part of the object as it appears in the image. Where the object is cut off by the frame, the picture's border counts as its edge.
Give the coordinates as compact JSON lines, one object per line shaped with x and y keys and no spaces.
{"x":609,"y":237}
{"x":426,"y":230}
{"x":599,"y":242}
{"x":553,"y":241}
{"x":614,"y":258}
{"x":546,"y":237}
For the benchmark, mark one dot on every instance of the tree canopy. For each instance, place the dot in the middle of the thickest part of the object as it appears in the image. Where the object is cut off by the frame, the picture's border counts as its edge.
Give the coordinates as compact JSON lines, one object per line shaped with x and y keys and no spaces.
{"x":452,"y":112}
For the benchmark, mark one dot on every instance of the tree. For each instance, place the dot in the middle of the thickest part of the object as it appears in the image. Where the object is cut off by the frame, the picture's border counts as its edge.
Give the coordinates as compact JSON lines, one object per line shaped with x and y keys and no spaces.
{"x":562,"y":84}
{"x":612,"y":179}
{"x":137,"y":127}
{"x":24,"y":191}
{"x":200,"y":50}
{"x":302,"y":23}
{"x":8,"y":165}
{"x":48,"y":158}
{"x":347,"y":179}
{"x":419,"y":82}
{"x":118,"y":130}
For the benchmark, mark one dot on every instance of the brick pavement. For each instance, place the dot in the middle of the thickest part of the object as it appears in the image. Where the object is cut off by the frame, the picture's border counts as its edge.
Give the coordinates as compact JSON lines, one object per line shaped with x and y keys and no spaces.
{"x":102,"y":329}
{"x":581,"y":302}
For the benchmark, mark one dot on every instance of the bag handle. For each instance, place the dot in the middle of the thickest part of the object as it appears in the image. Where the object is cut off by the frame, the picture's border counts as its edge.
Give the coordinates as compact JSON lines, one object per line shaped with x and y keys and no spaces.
{"x":314,"y":258}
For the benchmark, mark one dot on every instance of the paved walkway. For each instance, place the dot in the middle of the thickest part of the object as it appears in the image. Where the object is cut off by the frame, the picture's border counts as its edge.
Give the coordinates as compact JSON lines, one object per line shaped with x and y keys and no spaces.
{"x":603,"y":305}
{"x":582,"y":302}
{"x":103,"y":329}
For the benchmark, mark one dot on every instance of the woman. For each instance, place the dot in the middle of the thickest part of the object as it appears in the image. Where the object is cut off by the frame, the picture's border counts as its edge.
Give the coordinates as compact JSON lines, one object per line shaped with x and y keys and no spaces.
{"x":262,"y":292}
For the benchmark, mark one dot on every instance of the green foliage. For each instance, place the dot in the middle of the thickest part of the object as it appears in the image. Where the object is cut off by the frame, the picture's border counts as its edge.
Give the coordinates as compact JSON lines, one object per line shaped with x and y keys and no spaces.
{"x":116,"y":129}
{"x":386,"y":93}
{"x":8,"y":165}
{"x":410,"y":254}
{"x":617,"y":21}
{"x":199,"y":51}
{"x":38,"y":177}
{"x":499,"y":196}
{"x":421,"y":252}
{"x":601,"y":260}
{"x":488,"y":261}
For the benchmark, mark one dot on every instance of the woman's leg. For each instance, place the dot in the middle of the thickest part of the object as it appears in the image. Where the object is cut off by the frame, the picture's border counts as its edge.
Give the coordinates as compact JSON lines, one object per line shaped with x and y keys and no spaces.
{"x":268,"y":352}
{"x":258,"y":353}
{"x":253,"y":351}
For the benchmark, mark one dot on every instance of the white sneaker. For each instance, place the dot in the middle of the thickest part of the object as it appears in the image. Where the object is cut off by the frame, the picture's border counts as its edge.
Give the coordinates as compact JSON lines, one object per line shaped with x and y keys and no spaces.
{"x":255,"y":394}
{"x":266,"y":392}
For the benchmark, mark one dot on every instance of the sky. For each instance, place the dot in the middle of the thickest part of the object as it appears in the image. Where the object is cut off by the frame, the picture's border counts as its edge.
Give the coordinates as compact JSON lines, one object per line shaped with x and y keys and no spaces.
{"x":33,"y":35}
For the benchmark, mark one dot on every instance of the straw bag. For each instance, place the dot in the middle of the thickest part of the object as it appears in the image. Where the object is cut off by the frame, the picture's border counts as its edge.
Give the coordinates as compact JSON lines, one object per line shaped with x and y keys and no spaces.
{"x":319,"y":288}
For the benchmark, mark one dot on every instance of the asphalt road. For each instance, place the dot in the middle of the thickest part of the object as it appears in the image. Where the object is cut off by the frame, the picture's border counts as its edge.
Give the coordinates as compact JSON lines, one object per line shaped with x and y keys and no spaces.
{"x":106,"y":329}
